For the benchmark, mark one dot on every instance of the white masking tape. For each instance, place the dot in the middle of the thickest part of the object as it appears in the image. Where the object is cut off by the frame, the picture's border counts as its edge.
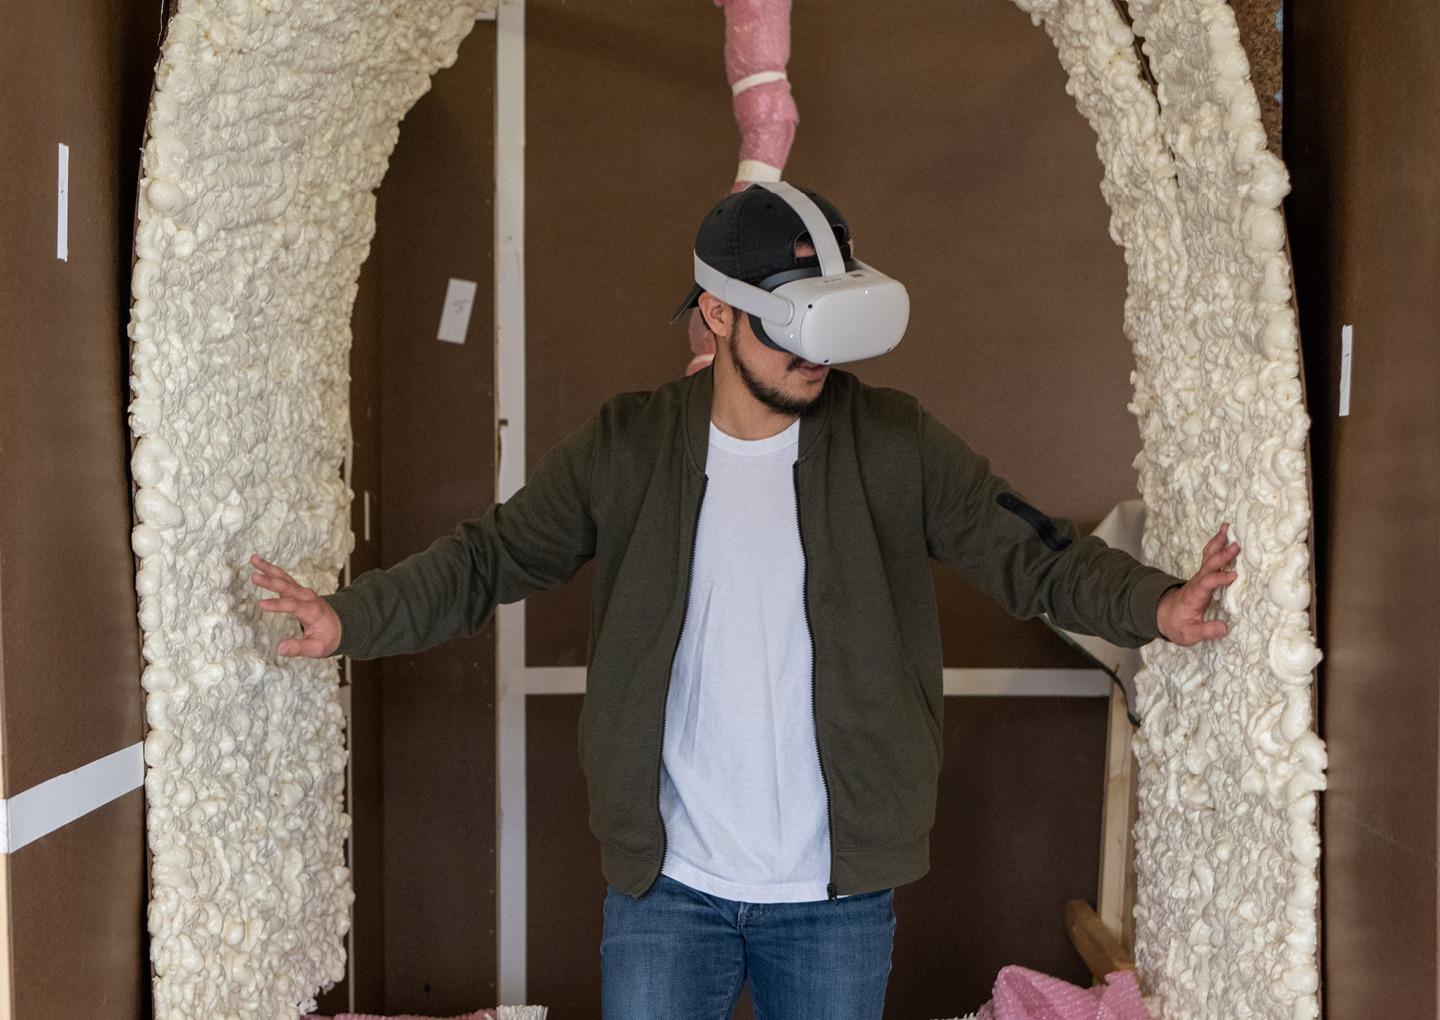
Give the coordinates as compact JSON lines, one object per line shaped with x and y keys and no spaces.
{"x":758,"y":78}
{"x":756,"y":170}
{"x":57,"y":802}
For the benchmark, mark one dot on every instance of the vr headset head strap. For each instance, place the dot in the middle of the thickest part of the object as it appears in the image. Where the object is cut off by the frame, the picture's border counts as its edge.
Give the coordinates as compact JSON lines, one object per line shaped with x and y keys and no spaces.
{"x":822,"y":235}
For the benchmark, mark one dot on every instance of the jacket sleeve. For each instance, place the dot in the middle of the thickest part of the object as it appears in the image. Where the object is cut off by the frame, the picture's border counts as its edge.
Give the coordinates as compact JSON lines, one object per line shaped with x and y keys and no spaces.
{"x":536,"y":539}
{"x":1033,"y":564}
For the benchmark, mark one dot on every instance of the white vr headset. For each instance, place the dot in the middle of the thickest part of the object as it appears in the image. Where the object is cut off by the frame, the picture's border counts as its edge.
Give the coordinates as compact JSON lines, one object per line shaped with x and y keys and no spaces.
{"x":827,"y":315}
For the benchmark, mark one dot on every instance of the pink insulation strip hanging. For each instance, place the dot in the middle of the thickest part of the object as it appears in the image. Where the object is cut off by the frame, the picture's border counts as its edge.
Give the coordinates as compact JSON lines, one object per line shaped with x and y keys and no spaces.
{"x":484,"y":1014}
{"x":1022,"y":994}
{"x":757,"y":48}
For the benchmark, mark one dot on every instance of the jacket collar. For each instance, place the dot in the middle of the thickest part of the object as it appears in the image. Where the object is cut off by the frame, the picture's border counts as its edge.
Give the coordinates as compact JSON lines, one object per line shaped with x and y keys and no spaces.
{"x":701,"y":392}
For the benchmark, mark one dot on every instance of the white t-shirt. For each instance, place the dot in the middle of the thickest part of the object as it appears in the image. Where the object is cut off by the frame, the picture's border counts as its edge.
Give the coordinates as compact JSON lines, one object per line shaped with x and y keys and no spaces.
{"x":740,"y":787}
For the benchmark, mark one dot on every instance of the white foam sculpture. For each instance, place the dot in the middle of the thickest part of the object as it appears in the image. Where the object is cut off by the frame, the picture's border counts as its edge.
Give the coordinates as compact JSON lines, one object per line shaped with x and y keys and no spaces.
{"x":1229,"y":766}
{"x":271,"y":125}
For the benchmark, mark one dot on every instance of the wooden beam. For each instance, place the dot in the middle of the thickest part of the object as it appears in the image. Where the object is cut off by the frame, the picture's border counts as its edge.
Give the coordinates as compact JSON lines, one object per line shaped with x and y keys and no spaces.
{"x":1100,"y":950}
{"x":1116,"y":894}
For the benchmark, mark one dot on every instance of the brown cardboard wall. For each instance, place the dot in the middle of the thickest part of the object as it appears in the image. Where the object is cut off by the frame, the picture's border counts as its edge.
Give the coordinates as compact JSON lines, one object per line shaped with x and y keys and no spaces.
{"x":63,"y":386}
{"x":364,"y":738}
{"x":77,"y":74}
{"x":1362,"y":137}
{"x":966,"y":171}
{"x":426,"y":887}
{"x":77,"y":897}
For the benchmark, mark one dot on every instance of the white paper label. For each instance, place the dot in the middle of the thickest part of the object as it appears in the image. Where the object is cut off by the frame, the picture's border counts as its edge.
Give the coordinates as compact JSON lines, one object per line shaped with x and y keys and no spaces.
{"x":62,"y":206}
{"x":1347,"y":333}
{"x":455,"y":317}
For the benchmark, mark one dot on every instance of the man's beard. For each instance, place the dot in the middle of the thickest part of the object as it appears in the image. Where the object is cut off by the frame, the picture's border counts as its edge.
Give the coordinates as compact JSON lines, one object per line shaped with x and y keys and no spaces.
{"x":775,"y":400}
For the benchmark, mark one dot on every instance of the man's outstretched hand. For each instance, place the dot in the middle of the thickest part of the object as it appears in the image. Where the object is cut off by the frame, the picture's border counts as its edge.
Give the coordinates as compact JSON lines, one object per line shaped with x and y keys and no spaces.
{"x":1181,"y":615}
{"x":319,"y":622}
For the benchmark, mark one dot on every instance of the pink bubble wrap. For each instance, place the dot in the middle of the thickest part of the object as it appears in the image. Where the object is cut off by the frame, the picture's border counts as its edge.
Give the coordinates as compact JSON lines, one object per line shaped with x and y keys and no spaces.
{"x":757,"y":39}
{"x":484,"y":1014}
{"x":1022,"y":994}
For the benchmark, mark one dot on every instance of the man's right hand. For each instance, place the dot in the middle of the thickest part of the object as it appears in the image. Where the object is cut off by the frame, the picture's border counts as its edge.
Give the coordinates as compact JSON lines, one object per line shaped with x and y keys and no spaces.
{"x":320,"y":624}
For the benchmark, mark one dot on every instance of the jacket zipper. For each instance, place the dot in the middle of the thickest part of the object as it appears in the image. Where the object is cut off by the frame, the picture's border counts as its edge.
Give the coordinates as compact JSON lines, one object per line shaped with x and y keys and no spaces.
{"x":684,"y":615}
{"x":805,"y":603}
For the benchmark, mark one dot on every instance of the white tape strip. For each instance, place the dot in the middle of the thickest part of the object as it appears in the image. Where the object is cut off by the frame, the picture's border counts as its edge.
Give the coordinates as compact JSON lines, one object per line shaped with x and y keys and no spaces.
{"x":1347,"y":341}
{"x":972,"y":683}
{"x":511,"y":883}
{"x":1026,"y":683}
{"x":57,"y":802}
{"x":755,"y":170}
{"x":62,"y":204}
{"x":758,"y":78}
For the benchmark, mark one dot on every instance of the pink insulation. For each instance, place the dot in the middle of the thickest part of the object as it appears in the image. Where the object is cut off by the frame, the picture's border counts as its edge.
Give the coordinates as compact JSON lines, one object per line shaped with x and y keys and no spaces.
{"x":700,"y":339}
{"x":757,"y":48}
{"x":1022,"y":994}
{"x":484,"y":1014}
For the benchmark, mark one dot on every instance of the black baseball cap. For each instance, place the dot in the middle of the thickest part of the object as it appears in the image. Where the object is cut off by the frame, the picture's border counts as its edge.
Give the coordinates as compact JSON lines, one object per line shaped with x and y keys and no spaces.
{"x":751,"y":236}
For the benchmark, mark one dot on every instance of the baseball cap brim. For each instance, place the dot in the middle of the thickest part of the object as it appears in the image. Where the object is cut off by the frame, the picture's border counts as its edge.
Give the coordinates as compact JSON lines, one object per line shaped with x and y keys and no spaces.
{"x":690,"y":302}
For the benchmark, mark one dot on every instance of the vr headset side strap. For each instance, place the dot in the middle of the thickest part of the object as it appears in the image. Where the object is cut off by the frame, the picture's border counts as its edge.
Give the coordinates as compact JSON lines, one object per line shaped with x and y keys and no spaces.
{"x":744,"y":296}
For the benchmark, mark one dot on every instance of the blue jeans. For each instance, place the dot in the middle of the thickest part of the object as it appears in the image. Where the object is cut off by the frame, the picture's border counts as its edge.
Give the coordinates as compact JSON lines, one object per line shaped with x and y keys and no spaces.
{"x":677,"y":952}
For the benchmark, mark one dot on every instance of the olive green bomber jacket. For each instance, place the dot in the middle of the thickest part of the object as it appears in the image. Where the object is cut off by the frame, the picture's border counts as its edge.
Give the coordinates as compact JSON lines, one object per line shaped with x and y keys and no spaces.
{"x":882,"y":487}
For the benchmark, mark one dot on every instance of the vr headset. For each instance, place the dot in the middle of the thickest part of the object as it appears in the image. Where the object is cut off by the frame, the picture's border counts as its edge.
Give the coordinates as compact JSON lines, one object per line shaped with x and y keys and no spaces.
{"x":828,"y":314}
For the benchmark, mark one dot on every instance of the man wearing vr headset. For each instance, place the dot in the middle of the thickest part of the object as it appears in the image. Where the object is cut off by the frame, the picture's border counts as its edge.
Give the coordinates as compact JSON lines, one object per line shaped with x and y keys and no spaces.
{"x":761,"y":731}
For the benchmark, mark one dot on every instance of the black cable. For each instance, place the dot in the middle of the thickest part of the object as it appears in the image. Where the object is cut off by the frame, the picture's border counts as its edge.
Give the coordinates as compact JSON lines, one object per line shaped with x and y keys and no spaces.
{"x":1108,"y":671}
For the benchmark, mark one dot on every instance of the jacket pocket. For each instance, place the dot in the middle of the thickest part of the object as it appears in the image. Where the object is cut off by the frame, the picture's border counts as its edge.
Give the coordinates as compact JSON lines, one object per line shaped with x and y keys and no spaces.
{"x":916,"y":687}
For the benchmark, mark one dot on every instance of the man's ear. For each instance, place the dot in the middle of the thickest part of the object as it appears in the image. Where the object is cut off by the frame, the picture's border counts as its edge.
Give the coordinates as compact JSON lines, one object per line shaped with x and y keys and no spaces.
{"x":719,"y":317}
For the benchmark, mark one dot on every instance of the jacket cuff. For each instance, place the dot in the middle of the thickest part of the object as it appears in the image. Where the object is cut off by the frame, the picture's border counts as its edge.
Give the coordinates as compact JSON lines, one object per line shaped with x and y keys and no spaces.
{"x":354,"y":622}
{"x":1145,"y":597}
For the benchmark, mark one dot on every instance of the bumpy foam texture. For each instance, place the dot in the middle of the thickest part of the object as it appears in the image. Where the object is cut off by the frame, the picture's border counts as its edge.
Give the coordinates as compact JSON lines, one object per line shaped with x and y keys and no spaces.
{"x":270,"y":127}
{"x":1229,"y":766}
{"x":271,"y":124}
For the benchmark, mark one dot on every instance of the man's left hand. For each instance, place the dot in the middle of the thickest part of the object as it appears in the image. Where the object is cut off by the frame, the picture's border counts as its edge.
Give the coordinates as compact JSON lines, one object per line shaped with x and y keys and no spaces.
{"x":1181,"y":615}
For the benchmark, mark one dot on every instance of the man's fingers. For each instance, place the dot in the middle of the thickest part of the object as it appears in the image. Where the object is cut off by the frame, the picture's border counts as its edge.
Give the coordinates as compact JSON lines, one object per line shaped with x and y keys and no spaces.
{"x":1204,"y":630}
{"x":298,"y":601}
{"x":1216,"y":579}
{"x":1212,"y":629}
{"x":270,"y":569}
{"x":272,"y":583}
{"x":1217,"y":541}
{"x":1220,"y":558}
{"x":285,"y":587}
{"x":311,"y":648}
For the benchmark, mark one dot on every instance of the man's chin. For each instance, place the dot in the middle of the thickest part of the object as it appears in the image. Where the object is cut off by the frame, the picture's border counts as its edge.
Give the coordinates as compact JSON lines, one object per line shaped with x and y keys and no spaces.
{"x":781,"y":401}
{"x":786,"y":402}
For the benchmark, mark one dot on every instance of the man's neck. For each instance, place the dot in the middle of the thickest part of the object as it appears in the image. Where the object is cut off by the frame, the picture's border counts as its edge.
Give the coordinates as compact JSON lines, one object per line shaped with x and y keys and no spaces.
{"x":736,"y":412}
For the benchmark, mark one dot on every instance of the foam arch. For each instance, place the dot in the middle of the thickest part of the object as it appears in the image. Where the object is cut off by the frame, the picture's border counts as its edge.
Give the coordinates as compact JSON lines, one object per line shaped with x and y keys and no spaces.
{"x":270,"y":127}
{"x":1229,"y":764}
